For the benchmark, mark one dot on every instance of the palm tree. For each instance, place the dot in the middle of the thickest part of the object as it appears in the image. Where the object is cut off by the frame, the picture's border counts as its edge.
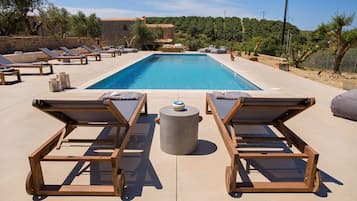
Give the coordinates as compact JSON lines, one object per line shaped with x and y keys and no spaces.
{"x":339,"y":39}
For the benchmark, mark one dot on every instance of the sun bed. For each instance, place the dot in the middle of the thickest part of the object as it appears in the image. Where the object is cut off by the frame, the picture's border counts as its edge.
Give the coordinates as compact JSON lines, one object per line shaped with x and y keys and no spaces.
{"x":111,"y":52}
{"x":172,"y":48}
{"x":5,"y":71}
{"x":90,"y":113}
{"x":72,"y":53}
{"x":234,"y":111}
{"x":53,"y":55}
{"x":40,"y":65}
{"x":127,"y":49}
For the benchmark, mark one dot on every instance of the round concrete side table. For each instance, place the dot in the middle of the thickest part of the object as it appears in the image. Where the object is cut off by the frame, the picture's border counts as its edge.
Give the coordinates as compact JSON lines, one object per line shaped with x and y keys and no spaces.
{"x":178,"y":130}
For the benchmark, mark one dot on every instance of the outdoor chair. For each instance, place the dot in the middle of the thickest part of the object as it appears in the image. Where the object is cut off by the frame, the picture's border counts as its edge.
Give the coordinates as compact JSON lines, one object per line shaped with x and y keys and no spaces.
{"x":233,"y":111}
{"x":107,"y":50}
{"x":127,"y":49}
{"x":89,"y":50}
{"x":72,"y":53}
{"x":5,"y":71}
{"x":40,"y":65}
{"x":53,"y":55}
{"x":113,"y":113}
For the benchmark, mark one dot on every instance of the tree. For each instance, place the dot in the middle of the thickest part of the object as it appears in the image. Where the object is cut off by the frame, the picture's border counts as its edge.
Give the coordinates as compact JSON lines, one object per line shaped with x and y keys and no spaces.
{"x":271,"y":45}
{"x":79,"y":24}
{"x":142,"y":35}
{"x":257,"y":41}
{"x":14,"y":16}
{"x":299,"y":53}
{"x":56,"y":20}
{"x":302,"y":47}
{"x":340,"y":40}
{"x":93,"y":26}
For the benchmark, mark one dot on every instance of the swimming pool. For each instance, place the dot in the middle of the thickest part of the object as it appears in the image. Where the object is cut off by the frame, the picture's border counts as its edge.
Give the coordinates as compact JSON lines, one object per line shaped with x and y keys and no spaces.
{"x":176,"y":71}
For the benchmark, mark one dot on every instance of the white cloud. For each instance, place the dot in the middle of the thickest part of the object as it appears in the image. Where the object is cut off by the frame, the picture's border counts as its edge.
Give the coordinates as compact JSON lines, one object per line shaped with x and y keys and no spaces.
{"x":199,"y":8}
{"x":109,"y":12}
{"x":159,"y":8}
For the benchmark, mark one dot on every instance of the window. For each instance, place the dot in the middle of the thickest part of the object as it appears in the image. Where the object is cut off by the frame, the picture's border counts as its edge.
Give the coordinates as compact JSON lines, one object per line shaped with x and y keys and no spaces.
{"x":125,"y":27}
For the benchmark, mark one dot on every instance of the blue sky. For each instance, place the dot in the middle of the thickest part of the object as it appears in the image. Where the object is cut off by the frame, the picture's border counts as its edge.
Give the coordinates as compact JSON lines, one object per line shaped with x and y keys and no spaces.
{"x":306,"y":14}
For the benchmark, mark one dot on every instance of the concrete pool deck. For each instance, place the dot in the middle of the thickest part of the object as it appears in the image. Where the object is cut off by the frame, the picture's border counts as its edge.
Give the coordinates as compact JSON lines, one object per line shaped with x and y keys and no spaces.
{"x":154,"y":175}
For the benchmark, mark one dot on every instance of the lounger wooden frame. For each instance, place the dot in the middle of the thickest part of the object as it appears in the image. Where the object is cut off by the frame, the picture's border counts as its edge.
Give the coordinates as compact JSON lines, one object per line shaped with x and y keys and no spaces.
{"x":10,"y":72}
{"x":35,"y":181}
{"x":312,"y":178}
{"x":39,"y":66}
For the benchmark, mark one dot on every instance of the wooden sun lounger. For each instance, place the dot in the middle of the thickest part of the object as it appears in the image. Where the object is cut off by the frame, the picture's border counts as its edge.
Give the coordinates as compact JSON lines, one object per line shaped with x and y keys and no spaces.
{"x":117,"y":51}
{"x":5,"y":62}
{"x":111,"y":52}
{"x":75,"y":113}
{"x":5,"y":71}
{"x":53,"y":55}
{"x":92,"y":54}
{"x":263,"y":111}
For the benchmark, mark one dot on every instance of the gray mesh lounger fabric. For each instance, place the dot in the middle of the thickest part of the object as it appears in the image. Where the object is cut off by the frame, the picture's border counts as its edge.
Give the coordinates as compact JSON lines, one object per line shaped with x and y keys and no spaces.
{"x":345,"y":105}
{"x":4,"y":61}
{"x":72,"y":53}
{"x":125,"y":107}
{"x":224,"y":106}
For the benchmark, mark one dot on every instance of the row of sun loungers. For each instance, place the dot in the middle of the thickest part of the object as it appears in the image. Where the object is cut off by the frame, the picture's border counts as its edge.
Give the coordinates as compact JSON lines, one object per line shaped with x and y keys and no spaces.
{"x":230,"y":111}
{"x":52,"y":55}
{"x":213,"y":49}
{"x":8,"y":68}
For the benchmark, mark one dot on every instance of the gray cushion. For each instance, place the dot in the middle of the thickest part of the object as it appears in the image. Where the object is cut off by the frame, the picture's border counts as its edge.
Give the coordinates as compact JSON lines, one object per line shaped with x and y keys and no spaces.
{"x":345,"y":105}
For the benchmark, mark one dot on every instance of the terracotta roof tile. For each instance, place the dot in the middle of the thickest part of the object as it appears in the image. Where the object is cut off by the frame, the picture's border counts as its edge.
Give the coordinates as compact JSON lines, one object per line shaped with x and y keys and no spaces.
{"x":160,"y":25}
{"x":121,"y":19}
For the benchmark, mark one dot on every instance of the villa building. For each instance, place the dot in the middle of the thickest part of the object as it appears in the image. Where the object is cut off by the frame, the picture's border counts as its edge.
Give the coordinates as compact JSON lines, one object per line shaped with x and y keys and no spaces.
{"x":116,"y":30}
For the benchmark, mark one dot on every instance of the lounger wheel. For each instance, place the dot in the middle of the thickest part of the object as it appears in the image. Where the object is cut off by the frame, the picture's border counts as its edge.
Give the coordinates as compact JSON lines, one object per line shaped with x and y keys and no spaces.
{"x":29,"y":184}
{"x":230,"y":183}
{"x":317,"y":182}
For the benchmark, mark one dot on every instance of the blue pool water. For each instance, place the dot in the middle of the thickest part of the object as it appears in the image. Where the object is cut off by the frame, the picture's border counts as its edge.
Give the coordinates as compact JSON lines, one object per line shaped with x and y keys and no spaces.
{"x":176,"y":71}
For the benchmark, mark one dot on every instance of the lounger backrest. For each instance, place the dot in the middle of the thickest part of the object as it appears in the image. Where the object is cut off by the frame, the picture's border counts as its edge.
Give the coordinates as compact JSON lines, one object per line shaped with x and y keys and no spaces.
{"x":81,"y":111}
{"x":68,"y":51}
{"x":48,"y":52}
{"x":96,"y":47}
{"x":3,"y":60}
{"x":269,"y":110}
{"x":87,"y":48}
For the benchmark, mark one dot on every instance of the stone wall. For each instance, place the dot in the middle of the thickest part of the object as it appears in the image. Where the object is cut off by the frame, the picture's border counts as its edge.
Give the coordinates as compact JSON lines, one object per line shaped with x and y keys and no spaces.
{"x":9,"y":45}
{"x":114,"y":32}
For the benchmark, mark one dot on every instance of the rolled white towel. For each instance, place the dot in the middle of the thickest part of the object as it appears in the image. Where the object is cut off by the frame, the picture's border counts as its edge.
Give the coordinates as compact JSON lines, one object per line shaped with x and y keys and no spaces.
{"x":121,"y":95}
{"x":231,"y":95}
